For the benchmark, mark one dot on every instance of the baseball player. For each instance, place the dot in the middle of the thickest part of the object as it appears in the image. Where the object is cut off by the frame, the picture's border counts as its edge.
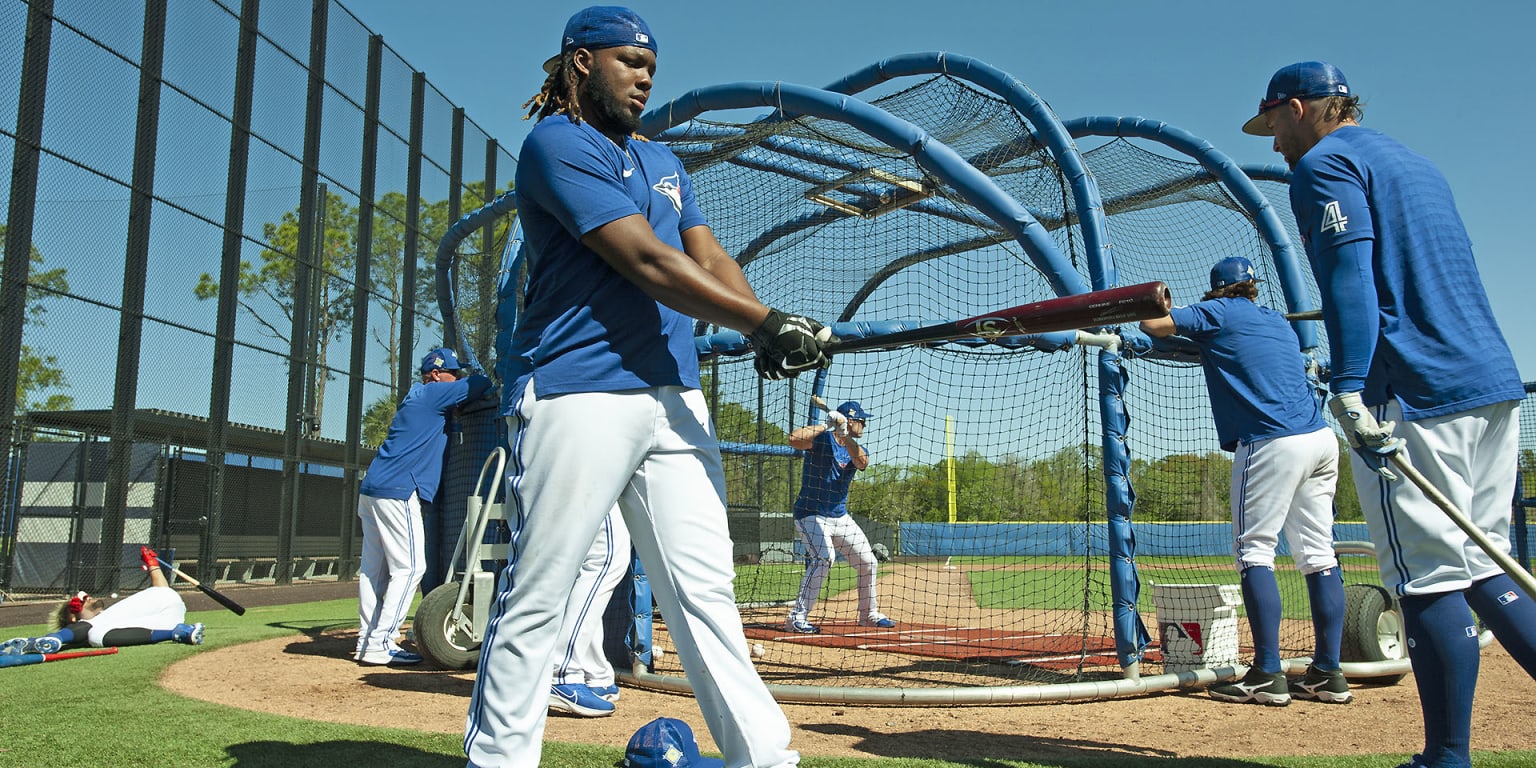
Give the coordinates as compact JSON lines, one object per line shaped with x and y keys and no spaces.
{"x":154,"y":615}
{"x":403,"y":474}
{"x":1284,"y":470}
{"x":1419,"y":365}
{"x":583,"y":682}
{"x":620,"y":260}
{"x":833,"y":455}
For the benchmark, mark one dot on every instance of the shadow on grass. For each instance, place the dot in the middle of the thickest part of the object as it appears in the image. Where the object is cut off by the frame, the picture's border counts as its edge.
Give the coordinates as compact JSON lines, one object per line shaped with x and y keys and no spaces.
{"x":328,"y":754}
{"x":983,"y":749}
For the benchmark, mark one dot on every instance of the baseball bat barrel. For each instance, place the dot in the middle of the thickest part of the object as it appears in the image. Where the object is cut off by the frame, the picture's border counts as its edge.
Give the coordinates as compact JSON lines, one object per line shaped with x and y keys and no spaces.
{"x":1508,"y":564}
{"x":219,"y":597}
{"x":1311,"y":314}
{"x":1083,"y":310}
{"x":820,"y":403}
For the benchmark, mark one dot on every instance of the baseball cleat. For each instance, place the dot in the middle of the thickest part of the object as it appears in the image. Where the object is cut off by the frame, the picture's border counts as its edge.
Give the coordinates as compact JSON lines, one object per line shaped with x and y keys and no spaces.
{"x":883,"y":622}
{"x":802,"y":626}
{"x":1317,"y":685}
{"x":20,"y":645}
{"x":607,"y":692}
{"x":577,"y":699}
{"x":1256,"y":687}
{"x":46,"y":644}
{"x":14,"y":646}
{"x":398,"y":657}
{"x":188,"y":634}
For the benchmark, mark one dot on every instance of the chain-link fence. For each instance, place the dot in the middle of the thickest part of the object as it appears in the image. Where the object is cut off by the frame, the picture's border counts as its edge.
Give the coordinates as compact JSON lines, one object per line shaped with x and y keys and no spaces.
{"x":219,"y":239}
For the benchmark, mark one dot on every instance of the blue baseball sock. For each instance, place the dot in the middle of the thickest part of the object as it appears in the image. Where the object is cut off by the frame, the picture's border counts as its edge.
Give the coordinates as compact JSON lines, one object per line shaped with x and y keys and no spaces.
{"x":65,"y":635}
{"x":161,"y":635}
{"x":1442,"y":643}
{"x":1511,"y":614}
{"x":1326,"y":591}
{"x":1261,"y":596}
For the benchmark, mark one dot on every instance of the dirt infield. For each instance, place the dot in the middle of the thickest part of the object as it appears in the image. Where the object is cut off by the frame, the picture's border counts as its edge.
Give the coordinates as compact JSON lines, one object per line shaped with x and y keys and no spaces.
{"x":314,"y":677}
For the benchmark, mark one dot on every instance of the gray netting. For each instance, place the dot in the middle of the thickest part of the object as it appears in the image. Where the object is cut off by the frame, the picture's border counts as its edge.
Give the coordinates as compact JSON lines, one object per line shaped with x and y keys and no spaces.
{"x":830,"y":223}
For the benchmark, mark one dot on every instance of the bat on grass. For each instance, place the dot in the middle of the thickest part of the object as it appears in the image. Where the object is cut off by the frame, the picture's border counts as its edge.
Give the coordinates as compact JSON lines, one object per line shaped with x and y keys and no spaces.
{"x":1501,"y":558}
{"x":1084,"y":310}
{"x":21,"y":660}
{"x":222,"y":598}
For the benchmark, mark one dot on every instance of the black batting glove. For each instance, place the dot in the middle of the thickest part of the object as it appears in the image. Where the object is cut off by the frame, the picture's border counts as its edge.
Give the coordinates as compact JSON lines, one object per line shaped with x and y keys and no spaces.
{"x":787,"y":345}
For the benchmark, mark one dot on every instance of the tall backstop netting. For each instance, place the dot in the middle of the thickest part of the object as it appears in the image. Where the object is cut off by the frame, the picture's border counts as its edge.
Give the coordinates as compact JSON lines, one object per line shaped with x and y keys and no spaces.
{"x":220,"y":224}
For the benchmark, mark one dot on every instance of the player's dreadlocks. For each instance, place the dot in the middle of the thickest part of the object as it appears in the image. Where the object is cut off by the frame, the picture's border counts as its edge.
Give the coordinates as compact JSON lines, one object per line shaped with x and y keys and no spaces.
{"x":558,"y":94}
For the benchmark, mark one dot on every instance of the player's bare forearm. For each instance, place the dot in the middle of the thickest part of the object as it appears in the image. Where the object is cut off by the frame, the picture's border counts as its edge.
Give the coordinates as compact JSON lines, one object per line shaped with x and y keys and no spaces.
{"x":802,"y":438}
{"x":673,"y":277}
{"x":702,"y":246}
{"x":1159,"y":327}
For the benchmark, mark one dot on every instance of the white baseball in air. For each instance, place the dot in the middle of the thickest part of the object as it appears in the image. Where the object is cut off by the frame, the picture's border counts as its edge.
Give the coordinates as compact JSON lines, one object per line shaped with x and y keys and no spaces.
{"x":758,"y":650}
{"x":114,"y":595}
{"x":658,"y":654}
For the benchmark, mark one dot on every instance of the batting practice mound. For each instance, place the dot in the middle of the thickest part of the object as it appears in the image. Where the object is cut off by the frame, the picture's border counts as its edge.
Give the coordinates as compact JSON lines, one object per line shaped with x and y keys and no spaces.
{"x":1055,"y":652}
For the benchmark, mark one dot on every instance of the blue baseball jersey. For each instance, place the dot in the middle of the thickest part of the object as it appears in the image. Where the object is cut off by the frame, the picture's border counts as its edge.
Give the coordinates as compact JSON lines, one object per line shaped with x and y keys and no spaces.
{"x":587,"y":328}
{"x":825,"y":477}
{"x":1406,"y":313}
{"x":411,"y":458}
{"x":1254,"y":370}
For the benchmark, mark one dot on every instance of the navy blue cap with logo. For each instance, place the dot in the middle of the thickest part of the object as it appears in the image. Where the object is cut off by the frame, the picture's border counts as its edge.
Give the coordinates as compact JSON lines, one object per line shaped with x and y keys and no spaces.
{"x":1233,"y":269}
{"x":853,"y":410}
{"x":603,"y":26}
{"x":666,"y":742}
{"x":440,"y":358}
{"x":1302,"y":80}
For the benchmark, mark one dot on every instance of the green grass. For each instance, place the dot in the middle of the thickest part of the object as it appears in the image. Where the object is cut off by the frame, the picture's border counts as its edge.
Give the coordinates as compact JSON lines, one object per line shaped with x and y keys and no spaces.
{"x":110,"y":711}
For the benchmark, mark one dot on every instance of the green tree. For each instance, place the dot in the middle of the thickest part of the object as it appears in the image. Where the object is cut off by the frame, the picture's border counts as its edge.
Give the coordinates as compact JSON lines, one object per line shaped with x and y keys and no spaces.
{"x":38,"y":373}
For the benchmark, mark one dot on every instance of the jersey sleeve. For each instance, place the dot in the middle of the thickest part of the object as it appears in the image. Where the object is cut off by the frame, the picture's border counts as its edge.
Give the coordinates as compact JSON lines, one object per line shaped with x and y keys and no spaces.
{"x":573,"y":179}
{"x":1329,"y":198}
{"x":1197,"y":321}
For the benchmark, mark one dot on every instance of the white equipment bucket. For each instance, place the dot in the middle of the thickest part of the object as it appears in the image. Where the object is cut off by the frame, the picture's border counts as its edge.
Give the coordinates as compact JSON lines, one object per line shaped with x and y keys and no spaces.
{"x":1197,"y":624}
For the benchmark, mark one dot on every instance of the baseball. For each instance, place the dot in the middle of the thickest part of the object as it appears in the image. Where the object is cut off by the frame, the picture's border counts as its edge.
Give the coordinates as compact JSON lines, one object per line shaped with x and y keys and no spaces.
{"x":758,"y":650}
{"x":114,"y":595}
{"x":657,"y":653}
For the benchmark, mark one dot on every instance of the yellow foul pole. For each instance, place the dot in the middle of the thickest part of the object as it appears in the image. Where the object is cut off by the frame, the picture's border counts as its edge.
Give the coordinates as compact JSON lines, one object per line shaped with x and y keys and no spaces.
{"x":949,"y":459}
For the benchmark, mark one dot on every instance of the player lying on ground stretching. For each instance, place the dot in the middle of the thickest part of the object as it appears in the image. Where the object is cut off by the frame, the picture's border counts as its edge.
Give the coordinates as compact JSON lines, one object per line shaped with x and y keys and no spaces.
{"x":1419,"y":365}
{"x":832,"y":456}
{"x":154,"y":615}
{"x":1284,"y":471}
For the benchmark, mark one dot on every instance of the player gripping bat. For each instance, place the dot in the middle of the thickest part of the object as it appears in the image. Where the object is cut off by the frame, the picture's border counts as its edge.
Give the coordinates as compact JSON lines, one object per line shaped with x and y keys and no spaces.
{"x":218,"y":596}
{"x":1084,"y":310}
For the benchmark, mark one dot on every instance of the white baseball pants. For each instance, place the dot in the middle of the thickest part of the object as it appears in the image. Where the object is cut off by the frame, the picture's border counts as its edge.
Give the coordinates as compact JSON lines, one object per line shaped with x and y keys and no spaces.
{"x":821,"y":536}
{"x":394,"y":558}
{"x":580,"y":657}
{"x":573,"y":456}
{"x":1470,"y":457}
{"x":1286,"y":483}
{"x":152,"y":608}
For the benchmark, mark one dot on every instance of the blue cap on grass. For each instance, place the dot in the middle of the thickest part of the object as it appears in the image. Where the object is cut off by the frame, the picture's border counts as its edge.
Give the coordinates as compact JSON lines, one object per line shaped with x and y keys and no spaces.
{"x":666,"y":742}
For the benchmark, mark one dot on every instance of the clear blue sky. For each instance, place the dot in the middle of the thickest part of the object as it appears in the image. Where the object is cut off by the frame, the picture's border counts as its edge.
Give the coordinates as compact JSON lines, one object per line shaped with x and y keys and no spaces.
{"x":1453,"y":82}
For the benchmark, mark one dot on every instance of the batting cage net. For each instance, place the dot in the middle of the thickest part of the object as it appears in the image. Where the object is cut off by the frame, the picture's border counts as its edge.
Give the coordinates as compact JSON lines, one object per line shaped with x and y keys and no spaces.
{"x":985,"y":499}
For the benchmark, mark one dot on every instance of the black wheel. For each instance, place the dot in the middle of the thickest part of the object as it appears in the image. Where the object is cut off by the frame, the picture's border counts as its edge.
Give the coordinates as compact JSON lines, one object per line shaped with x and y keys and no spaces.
{"x":1373,"y":628}
{"x":437,"y":637}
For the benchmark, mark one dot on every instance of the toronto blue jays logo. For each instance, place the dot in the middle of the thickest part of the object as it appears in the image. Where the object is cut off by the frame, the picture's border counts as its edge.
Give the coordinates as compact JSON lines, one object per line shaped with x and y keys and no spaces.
{"x":669,"y":187}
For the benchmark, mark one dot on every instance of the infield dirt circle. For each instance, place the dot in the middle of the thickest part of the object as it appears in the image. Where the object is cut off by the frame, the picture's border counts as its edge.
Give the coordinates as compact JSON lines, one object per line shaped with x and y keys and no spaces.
{"x":314,"y":677}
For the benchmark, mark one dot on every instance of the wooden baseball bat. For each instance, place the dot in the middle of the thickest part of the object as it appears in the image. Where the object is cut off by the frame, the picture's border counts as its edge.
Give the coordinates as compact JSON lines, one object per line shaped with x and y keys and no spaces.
{"x":1311,"y":314}
{"x":24,"y":659}
{"x":1084,"y":310}
{"x":211,"y":592}
{"x":820,"y":403}
{"x":1508,"y":564}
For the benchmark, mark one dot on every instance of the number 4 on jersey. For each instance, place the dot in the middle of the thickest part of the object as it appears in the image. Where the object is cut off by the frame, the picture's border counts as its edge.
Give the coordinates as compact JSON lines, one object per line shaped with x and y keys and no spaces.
{"x":1334,"y":219}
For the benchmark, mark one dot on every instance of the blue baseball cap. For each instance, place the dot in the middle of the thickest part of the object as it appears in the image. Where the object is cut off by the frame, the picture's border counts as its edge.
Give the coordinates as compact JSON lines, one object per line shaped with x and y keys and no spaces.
{"x":853,"y":410}
{"x":666,"y":742}
{"x":1302,"y":80}
{"x":603,"y":26}
{"x":440,"y":358}
{"x":1233,"y":269}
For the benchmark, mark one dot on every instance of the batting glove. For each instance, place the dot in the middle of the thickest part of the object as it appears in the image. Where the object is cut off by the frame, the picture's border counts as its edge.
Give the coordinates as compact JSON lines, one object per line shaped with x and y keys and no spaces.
{"x":788,"y":345}
{"x":838,"y":423}
{"x":1359,"y":425}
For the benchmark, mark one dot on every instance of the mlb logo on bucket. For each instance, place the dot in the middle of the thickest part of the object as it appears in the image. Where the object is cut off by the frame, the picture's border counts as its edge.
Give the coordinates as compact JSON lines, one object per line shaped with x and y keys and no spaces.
{"x":1181,"y":635}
